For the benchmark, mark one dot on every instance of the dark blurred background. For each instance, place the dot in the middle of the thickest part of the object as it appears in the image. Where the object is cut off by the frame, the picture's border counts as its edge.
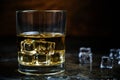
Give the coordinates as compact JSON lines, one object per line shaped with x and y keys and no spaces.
{"x":89,"y":24}
{"x":85,"y":17}
{"x":88,"y":20}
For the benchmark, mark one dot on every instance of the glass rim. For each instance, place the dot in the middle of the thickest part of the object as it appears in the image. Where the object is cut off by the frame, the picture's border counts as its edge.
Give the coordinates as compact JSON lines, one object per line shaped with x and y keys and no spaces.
{"x":35,"y":10}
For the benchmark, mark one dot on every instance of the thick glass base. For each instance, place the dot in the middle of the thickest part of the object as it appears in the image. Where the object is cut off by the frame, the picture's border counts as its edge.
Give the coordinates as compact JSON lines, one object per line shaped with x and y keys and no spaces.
{"x":40,"y":70}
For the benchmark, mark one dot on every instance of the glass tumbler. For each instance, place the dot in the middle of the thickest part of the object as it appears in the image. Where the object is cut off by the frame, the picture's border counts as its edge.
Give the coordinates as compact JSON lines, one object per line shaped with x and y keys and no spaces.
{"x":41,"y":41}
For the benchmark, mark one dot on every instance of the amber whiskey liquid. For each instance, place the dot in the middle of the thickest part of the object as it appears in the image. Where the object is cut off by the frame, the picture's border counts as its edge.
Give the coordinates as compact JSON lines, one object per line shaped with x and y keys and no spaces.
{"x":40,"y":50}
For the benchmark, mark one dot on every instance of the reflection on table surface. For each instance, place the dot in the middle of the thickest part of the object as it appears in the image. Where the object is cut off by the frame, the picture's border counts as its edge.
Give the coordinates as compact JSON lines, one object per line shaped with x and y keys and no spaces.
{"x":73,"y":69}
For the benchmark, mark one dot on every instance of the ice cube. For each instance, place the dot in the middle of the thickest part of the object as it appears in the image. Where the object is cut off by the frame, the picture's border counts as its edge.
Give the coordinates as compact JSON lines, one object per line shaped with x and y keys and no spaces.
{"x":106,"y":62}
{"x":24,"y":58}
{"x":113,"y":53}
{"x":85,"y":55}
{"x":45,"y":47}
{"x":28,"y":45}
